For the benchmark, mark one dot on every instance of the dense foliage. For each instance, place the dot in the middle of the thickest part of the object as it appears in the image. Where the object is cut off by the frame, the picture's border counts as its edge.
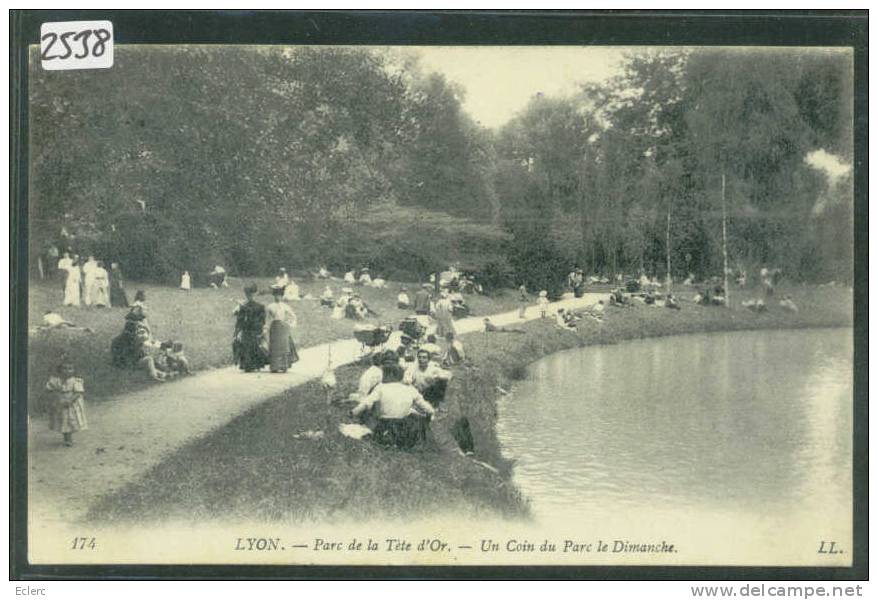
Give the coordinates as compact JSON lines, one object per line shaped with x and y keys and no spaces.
{"x":257,"y":157}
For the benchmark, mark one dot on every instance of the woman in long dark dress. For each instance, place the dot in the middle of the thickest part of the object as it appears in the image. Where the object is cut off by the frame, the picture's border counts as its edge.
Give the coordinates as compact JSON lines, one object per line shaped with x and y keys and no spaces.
{"x":249,"y":325}
{"x":118,"y":297}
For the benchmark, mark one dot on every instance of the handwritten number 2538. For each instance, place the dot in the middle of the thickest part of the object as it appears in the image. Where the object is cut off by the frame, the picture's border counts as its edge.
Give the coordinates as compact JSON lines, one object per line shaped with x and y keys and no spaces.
{"x":102,"y":36}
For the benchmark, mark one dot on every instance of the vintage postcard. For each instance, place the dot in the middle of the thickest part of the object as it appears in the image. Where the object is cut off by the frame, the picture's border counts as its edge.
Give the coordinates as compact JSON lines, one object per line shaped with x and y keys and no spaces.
{"x":445,"y":305}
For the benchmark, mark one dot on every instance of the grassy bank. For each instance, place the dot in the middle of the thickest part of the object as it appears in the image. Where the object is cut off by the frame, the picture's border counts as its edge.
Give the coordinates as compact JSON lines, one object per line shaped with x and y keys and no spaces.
{"x":255,"y":467}
{"x":201,"y":318}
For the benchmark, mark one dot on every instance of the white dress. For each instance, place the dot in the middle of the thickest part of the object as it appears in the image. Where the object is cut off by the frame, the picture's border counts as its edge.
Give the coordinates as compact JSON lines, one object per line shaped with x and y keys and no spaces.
{"x":88,"y":273}
{"x":71,"y":287}
{"x":100,"y":295}
{"x":186,"y":281}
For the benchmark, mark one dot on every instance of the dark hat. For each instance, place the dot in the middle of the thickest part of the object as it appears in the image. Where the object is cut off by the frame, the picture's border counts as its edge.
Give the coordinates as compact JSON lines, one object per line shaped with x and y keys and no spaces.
{"x":251,"y":289}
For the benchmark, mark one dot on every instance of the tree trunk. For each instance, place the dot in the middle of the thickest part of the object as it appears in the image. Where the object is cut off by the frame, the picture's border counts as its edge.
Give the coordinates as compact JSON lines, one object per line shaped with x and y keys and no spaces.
{"x":725,"y":245}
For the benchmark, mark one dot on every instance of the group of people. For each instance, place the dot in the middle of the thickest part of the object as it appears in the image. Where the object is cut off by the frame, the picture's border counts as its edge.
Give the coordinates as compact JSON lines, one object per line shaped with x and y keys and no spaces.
{"x":363,"y":278}
{"x":402,"y":390}
{"x":263,"y":333}
{"x":89,"y":283}
{"x":136,"y":347}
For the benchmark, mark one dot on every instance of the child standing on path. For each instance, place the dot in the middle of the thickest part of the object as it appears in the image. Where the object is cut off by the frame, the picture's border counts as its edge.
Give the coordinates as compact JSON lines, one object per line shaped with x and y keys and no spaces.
{"x":543,"y":303}
{"x":67,"y":404}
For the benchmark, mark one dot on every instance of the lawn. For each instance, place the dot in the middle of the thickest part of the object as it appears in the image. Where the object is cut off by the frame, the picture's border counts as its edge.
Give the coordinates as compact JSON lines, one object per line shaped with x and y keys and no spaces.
{"x":255,"y":469}
{"x":201,"y":318}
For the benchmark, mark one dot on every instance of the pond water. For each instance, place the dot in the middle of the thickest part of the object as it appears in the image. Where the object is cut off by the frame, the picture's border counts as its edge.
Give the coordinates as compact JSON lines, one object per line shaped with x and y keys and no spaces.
{"x":732,"y":423}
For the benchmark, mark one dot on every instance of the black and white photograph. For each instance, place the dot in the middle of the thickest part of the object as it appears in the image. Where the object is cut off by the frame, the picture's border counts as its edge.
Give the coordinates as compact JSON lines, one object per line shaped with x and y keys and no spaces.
{"x":438,"y":304}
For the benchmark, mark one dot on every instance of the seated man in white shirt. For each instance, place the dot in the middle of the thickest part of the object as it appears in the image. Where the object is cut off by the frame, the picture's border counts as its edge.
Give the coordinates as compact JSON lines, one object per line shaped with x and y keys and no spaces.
{"x":403,"y":414}
{"x":428,"y":378}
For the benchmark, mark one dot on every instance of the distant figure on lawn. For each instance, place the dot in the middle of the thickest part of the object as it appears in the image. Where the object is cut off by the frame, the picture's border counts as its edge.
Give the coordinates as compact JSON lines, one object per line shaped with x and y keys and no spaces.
{"x":279,"y":321}
{"x":66,"y":402}
{"x":402,"y":299}
{"x":788,"y":304}
{"x":522,"y":301}
{"x":100,"y":286}
{"x":118,"y":297}
{"x":71,"y":284}
{"x":423,"y":300}
{"x":247,"y":347}
{"x":403,"y":414}
{"x":64,"y":263}
{"x":327,"y":298}
{"x":185,"y":281}
{"x":88,"y":280}
{"x":217,"y":277}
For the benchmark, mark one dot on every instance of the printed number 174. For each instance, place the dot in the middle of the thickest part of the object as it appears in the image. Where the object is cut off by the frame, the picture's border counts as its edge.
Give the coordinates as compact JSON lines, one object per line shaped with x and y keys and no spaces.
{"x":81,"y":543}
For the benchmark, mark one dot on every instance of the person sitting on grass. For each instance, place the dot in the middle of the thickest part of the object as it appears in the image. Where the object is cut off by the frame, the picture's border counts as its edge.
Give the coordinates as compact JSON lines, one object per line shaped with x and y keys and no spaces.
{"x":617,"y":298}
{"x":323,"y":272}
{"x":788,"y":304}
{"x":177,"y":360}
{"x":671,"y":302}
{"x":66,"y":402}
{"x":370,"y":378}
{"x":151,"y":356}
{"x":428,"y":378}
{"x":596,"y":311}
{"x":137,"y":312}
{"x":402,"y":299}
{"x":403,"y":416}
{"x":217,"y":277}
{"x":349,"y":277}
{"x":755,"y":305}
{"x":357,"y":309}
{"x":327,"y":298}
{"x":365,"y":277}
{"x":563,"y":321}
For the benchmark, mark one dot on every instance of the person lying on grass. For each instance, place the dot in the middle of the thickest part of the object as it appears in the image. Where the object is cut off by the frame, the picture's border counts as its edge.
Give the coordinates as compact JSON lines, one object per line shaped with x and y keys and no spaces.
{"x":788,"y":304}
{"x":491,"y":328}
{"x":403,"y":414}
{"x":52,"y":320}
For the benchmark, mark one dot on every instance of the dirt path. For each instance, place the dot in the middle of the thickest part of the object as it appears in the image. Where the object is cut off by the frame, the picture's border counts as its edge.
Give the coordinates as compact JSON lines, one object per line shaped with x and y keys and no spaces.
{"x":132,"y":433}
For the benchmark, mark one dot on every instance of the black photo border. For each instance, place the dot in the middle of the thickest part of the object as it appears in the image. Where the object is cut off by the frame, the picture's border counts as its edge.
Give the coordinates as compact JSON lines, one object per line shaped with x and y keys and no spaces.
{"x":705,"y":28}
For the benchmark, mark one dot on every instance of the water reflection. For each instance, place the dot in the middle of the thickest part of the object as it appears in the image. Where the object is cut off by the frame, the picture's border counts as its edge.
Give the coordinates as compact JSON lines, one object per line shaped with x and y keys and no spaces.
{"x":756,"y":421}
